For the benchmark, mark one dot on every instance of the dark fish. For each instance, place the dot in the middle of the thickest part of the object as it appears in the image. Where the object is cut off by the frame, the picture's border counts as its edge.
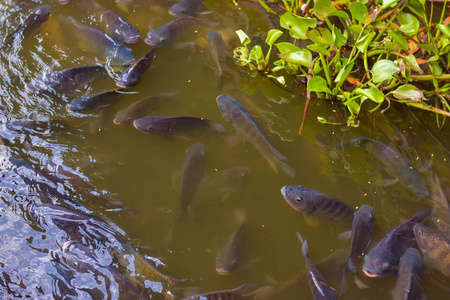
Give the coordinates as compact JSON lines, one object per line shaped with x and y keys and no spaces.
{"x":434,"y":247}
{"x":164,"y":35}
{"x":59,"y":171}
{"x":216,"y":47}
{"x":317,"y":284}
{"x":362,"y":228}
{"x":116,"y":26}
{"x":31,"y":24}
{"x":395,"y":163}
{"x":170,"y":125}
{"x":317,"y":204}
{"x":133,"y":73}
{"x":93,"y":101}
{"x":34,"y":126}
{"x":100,"y":43}
{"x":140,"y":108}
{"x":383,"y":259}
{"x":185,"y":8}
{"x":240,"y":293}
{"x":229,"y":257}
{"x":410,"y":272}
{"x":245,"y":125}
{"x":65,"y":81}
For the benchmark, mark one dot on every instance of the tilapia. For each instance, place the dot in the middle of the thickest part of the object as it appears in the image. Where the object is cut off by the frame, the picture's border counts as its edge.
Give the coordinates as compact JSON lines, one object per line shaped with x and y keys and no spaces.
{"x":31,"y":24}
{"x":409,"y":281}
{"x":131,"y":75}
{"x":362,"y":228}
{"x":99,"y":43}
{"x":185,"y":8}
{"x":434,"y":247}
{"x":116,"y":26}
{"x":382,"y":260}
{"x":229,"y":257}
{"x":216,"y":47}
{"x":224,"y":182}
{"x":94,"y":101}
{"x":239,"y":293}
{"x":317,"y":204}
{"x":65,"y":81}
{"x":140,"y":108}
{"x":166,"y":34}
{"x":170,"y":125}
{"x":237,"y":115}
{"x":395,"y":163}
{"x":317,"y":284}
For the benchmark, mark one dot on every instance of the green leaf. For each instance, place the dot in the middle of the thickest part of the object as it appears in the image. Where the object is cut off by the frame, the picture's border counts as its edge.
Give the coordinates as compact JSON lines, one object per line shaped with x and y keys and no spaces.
{"x":355,"y":29}
{"x":363,"y":43}
{"x":339,"y":38}
{"x":285,"y":47}
{"x":444,"y":29}
{"x":387,"y":3}
{"x":340,"y":14}
{"x":416,"y":7}
{"x":383,"y":70}
{"x":323,"y":8}
{"x":373,"y":93}
{"x":409,"y":23}
{"x":272,"y":36}
{"x":427,"y":47}
{"x":318,"y":84}
{"x":408,"y":92}
{"x":399,"y":40}
{"x":411,"y":60}
{"x":358,"y":10}
{"x":322,"y":49}
{"x":256,"y":53}
{"x":243,"y":37}
{"x":353,"y":106}
{"x":435,"y":69}
{"x":297,"y":26}
{"x":343,"y":74}
{"x":302,"y":57}
{"x":321,"y":36}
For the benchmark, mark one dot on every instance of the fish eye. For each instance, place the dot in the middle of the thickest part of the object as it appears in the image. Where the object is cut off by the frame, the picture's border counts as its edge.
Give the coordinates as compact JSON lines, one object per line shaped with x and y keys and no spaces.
{"x":420,"y":233}
{"x":298,"y":199}
{"x":385,"y":266}
{"x":76,"y":264}
{"x":162,"y":39}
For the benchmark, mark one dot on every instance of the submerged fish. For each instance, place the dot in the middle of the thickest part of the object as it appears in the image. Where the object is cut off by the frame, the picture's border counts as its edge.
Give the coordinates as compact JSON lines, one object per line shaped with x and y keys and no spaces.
{"x":239,"y":293}
{"x":409,"y":281}
{"x":131,"y":75}
{"x":93,"y":101}
{"x":224,"y":182}
{"x":434,"y":247}
{"x":116,"y":26}
{"x":382,"y":260}
{"x":362,"y":228}
{"x":216,"y":47}
{"x":139,"y":109}
{"x":317,"y":284}
{"x":395,"y":163}
{"x":235,"y":113}
{"x":166,"y":34}
{"x":317,"y":204}
{"x":185,"y":8}
{"x":100,"y":43}
{"x":230,"y":255}
{"x":65,"y":81}
{"x":31,"y":24}
{"x":158,"y":125}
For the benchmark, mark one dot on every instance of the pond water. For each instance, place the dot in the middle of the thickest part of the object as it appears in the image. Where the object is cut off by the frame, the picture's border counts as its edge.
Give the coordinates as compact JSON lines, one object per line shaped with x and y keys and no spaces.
{"x":143,"y":171}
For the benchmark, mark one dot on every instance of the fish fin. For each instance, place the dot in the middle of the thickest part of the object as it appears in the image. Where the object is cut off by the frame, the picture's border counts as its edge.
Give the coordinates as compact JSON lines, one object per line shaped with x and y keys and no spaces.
{"x":344,"y":287}
{"x":305,"y":248}
{"x":287,"y":169}
{"x":151,"y":24}
{"x":239,"y":214}
{"x":263,"y":293}
{"x":426,"y":166}
{"x":250,"y":263}
{"x":205,"y":12}
{"x":346,"y":235}
{"x":360,"y":284}
{"x":389,"y":182}
{"x":190,"y":291}
{"x":299,"y":236}
{"x":311,"y":221}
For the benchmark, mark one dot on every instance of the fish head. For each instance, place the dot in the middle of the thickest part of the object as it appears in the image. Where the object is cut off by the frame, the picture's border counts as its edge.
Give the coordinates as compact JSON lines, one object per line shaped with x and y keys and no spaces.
{"x":377,"y":263}
{"x":225,"y":104}
{"x":358,"y":141}
{"x":296,"y":197}
{"x":420,"y":232}
{"x":226,"y":262}
{"x":127,"y":33}
{"x":120,"y":119}
{"x":122,"y":55}
{"x":145,"y":125}
{"x":366,"y":213}
{"x":178,"y":9}
{"x":156,"y":40}
{"x":42,"y":13}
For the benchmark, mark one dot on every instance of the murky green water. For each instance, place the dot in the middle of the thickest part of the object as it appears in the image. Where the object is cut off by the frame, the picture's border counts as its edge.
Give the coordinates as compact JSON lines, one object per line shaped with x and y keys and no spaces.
{"x":141,"y":170}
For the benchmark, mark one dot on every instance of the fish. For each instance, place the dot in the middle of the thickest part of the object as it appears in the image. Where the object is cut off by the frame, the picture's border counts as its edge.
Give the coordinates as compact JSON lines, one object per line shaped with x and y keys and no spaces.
{"x":116,"y":26}
{"x":94,"y":101}
{"x":99,"y":43}
{"x":317,"y":284}
{"x":395,"y":163}
{"x":239,"y":293}
{"x":362,"y":228}
{"x":61,"y":172}
{"x":410,"y":273}
{"x":131,"y":75}
{"x":30,"y":25}
{"x":317,"y":204}
{"x":434,"y":247}
{"x":229,"y":257}
{"x":170,"y":125}
{"x":140,"y":108}
{"x":216,"y":47}
{"x":245,"y":125}
{"x":65,"y":81}
{"x":224,"y":182}
{"x":166,"y":34}
{"x":382,"y":260}
{"x":185,"y":8}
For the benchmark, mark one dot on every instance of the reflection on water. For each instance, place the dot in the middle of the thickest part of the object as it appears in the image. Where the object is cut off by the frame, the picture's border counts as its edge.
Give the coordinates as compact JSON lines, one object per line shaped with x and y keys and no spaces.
{"x":143,"y":171}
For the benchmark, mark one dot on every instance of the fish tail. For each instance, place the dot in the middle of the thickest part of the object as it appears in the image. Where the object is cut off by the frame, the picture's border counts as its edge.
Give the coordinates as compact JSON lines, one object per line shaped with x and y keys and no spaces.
{"x":219,"y":83}
{"x":287,"y":169}
{"x":305,"y":249}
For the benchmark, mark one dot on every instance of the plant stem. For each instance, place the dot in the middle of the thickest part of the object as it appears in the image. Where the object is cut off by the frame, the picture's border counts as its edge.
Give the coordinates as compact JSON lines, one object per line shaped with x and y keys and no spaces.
{"x":430,"y":77}
{"x":325,"y":69}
